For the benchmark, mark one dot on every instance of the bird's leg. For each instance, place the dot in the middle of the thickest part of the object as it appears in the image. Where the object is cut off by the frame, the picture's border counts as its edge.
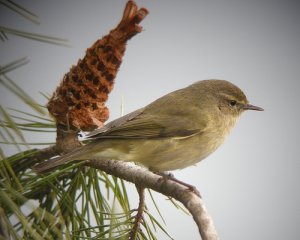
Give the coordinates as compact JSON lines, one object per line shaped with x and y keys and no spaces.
{"x":169,"y":176}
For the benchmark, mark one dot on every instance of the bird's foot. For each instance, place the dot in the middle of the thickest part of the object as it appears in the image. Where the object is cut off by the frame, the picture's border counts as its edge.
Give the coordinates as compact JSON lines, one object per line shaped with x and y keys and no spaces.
{"x":165,"y":176}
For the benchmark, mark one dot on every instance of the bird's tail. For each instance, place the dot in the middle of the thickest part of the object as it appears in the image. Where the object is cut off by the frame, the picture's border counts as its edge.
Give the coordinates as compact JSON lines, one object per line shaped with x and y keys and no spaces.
{"x":58,"y":161}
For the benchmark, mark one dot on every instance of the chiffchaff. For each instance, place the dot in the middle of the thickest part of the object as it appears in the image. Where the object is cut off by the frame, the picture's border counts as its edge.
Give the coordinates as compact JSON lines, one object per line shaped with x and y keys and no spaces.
{"x":173,"y":132}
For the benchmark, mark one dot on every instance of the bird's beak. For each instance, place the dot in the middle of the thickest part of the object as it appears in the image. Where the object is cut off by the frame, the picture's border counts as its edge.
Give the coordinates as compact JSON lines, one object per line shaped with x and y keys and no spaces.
{"x":252,"y":107}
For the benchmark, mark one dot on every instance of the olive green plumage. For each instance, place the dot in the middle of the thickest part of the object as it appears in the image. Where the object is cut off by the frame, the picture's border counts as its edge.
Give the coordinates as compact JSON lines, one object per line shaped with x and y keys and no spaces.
{"x":173,"y":132}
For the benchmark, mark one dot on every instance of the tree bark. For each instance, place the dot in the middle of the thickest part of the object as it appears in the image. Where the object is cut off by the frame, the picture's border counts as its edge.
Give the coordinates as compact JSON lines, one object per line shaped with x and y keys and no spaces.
{"x":143,"y":177}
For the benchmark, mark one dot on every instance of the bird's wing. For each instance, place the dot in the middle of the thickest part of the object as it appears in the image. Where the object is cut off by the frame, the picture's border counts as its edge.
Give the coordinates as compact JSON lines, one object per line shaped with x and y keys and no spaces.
{"x":114,"y":124}
{"x":144,"y":125}
{"x":136,"y":125}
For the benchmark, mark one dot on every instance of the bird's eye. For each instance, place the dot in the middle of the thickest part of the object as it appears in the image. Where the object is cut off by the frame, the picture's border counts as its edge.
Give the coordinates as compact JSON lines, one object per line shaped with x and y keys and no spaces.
{"x":232,"y":103}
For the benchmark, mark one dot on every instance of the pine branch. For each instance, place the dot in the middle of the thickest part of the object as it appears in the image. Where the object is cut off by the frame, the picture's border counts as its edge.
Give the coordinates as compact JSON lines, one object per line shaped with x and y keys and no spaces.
{"x":143,"y":177}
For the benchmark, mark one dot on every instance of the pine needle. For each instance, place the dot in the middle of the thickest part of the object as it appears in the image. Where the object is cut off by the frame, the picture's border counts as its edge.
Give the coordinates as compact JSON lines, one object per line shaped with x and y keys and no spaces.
{"x":21,"y":11}
{"x":36,"y":37}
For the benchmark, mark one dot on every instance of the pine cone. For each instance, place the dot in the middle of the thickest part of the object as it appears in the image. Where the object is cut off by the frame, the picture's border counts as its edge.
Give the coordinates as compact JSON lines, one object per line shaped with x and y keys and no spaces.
{"x":79,"y":101}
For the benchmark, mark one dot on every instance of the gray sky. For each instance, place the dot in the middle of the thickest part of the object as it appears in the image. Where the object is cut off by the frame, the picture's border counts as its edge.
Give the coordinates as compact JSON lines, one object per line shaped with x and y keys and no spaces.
{"x":251,"y":184}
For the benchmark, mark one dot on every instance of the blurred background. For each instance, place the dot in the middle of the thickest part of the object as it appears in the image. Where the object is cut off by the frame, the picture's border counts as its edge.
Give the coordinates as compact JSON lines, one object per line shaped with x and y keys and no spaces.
{"x":250,"y":185}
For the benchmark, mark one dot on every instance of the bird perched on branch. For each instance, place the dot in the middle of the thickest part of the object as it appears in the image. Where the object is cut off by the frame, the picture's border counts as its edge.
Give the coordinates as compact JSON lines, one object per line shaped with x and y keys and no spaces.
{"x":175,"y":131}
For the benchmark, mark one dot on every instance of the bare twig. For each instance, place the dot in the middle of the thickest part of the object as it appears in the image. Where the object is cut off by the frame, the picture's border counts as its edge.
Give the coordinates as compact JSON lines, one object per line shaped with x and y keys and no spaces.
{"x":147,"y":179}
{"x":140,"y":211}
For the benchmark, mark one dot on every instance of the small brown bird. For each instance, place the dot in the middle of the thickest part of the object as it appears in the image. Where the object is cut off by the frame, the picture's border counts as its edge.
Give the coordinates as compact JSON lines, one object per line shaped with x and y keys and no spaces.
{"x":173,"y":132}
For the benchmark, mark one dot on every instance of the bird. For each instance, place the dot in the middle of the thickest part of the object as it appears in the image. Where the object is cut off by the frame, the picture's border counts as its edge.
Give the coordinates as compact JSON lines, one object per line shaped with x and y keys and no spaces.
{"x":175,"y":131}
